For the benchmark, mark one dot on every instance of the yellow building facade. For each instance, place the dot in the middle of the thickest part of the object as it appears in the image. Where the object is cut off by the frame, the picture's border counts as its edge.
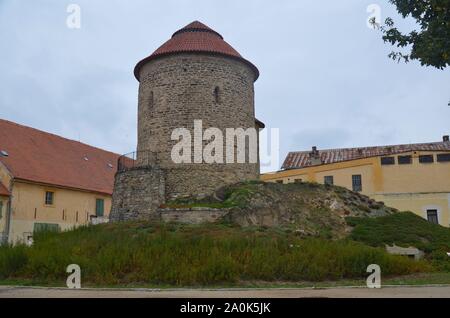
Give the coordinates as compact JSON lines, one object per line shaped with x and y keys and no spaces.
{"x":417,"y":180}
{"x":71,"y":208}
{"x":50,"y":183}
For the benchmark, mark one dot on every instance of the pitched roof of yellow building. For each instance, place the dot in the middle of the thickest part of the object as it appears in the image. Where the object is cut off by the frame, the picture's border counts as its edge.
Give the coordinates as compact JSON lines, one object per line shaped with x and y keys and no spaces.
{"x":303,"y":159}
{"x":33,"y":155}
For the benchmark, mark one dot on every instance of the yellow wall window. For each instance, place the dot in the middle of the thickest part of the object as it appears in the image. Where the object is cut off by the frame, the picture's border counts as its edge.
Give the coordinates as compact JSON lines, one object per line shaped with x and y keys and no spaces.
{"x":328,"y":180}
{"x":99,"y":207}
{"x":443,"y":157}
{"x":49,"y":197}
{"x":387,"y":161}
{"x":357,"y":183}
{"x":404,"y":160}
{"x":426,"y":159}
{"x":432,"y":216}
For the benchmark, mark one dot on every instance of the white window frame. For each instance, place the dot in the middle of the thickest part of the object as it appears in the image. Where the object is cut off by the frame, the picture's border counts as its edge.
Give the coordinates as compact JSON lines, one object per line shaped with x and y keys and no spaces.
{"x":432,"y":207}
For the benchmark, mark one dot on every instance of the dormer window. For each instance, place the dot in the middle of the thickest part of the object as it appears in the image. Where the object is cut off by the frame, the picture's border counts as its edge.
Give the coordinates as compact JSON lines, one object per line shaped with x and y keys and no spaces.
{"x":404,"y":160}
{"x":387,"y":161}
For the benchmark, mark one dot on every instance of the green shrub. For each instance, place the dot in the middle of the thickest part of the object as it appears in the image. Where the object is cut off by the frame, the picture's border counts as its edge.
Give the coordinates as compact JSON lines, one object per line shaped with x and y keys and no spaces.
{"x":405,"y":229}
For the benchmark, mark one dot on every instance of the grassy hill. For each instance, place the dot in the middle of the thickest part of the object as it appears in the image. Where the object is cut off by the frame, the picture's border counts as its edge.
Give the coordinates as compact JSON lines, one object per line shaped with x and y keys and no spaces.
{"x":274,"y":234}
{"x":180,"y":255}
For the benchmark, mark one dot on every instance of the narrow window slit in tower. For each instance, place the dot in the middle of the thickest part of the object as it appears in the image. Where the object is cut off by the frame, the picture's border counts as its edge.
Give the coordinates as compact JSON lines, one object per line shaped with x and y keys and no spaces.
{"x":150,"y":102}
{"x":217,"y":94}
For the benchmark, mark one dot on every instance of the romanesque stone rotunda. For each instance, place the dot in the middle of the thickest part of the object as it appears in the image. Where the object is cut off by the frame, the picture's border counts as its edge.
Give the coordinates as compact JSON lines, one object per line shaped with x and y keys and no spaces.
{"x":195,"y":75}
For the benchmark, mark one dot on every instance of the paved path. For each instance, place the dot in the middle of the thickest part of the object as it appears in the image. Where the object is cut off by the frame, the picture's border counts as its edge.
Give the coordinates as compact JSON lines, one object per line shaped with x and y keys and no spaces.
{"x":385,"y":292}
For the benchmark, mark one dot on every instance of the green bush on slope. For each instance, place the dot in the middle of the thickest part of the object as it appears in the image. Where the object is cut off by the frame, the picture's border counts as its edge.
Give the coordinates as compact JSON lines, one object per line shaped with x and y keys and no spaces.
{"x":405,"y":229}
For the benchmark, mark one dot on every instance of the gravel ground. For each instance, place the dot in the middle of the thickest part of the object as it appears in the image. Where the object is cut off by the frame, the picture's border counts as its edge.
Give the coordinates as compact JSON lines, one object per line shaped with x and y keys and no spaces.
{"x":385,"y":292}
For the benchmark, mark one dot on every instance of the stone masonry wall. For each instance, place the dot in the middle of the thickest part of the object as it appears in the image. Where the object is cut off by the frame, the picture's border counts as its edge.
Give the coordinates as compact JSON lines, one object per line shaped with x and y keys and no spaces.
{"x":201,"y":180}
{"x":138,"y":193}
{"x":192,"y":216}
{"x":178,"y":89}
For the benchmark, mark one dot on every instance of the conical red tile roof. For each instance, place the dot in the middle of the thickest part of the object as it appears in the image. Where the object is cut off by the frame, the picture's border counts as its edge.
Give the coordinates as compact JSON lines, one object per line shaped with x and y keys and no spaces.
{"x":199,"y":38}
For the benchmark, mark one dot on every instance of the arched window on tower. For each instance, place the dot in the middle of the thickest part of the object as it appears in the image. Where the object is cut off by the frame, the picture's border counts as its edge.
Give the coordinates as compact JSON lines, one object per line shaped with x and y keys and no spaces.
{"x":217,"y":95}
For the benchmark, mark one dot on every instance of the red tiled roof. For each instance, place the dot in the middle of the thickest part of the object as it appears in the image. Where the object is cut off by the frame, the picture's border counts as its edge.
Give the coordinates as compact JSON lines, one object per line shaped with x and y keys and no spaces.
{"x":302,"y":159}
{"x":199,"y":38}
{"x":3,"y":190}
{"x":37,"y":156}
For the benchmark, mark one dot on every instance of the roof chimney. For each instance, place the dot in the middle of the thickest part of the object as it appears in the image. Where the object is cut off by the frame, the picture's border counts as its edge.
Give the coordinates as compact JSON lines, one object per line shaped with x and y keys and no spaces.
{"x":445,"y":138}
{"x":315,"y":157}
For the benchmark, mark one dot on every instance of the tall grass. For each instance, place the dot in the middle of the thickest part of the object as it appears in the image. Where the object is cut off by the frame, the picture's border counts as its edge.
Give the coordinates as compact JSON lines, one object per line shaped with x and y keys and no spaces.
{"x":11,"y":260}
{"x":138,"y":253}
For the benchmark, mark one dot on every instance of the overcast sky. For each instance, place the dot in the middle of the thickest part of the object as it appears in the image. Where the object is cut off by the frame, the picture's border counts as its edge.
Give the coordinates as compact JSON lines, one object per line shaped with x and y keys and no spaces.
{"x":325,"y":76}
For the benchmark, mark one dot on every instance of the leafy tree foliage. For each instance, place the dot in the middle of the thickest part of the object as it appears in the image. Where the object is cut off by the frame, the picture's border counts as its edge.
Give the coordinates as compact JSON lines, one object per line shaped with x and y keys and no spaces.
{"x":431,"y":43}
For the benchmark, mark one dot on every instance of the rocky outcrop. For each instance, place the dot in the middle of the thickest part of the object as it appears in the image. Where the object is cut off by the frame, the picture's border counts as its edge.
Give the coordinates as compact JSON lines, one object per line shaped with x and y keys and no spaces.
{"x":306,"y":208}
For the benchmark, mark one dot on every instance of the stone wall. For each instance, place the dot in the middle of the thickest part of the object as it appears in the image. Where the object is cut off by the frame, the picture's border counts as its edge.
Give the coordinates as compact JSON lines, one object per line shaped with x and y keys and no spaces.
{"x":412,"y":252}
{"x":199,"y":181}
{"x":176,"y":90}
{"x":138,"y":193}
{"x":192,"y":215}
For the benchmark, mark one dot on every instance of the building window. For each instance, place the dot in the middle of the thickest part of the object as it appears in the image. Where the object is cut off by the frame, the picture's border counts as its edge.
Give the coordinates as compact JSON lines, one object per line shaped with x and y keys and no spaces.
{"x":279,"y":181}
{"x":357,"y":183}
{"x":45,"y":227}
{"x":99,"y":207}
{"x":388,"y":161}
{"x":298,"y":180}
{"x":217,"y":95}
{"x":49,"y":198}
{"x":426,"y":159}
{"x":445,"y":157}
{"x":404,"y":160}
{"x":432,"y":216}
{"x":328,"y":180}
{"x":1,"y":209}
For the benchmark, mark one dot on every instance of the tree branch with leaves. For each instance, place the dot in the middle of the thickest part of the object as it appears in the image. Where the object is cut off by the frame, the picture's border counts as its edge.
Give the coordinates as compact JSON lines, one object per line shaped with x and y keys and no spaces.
{"x":430,"y":45}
